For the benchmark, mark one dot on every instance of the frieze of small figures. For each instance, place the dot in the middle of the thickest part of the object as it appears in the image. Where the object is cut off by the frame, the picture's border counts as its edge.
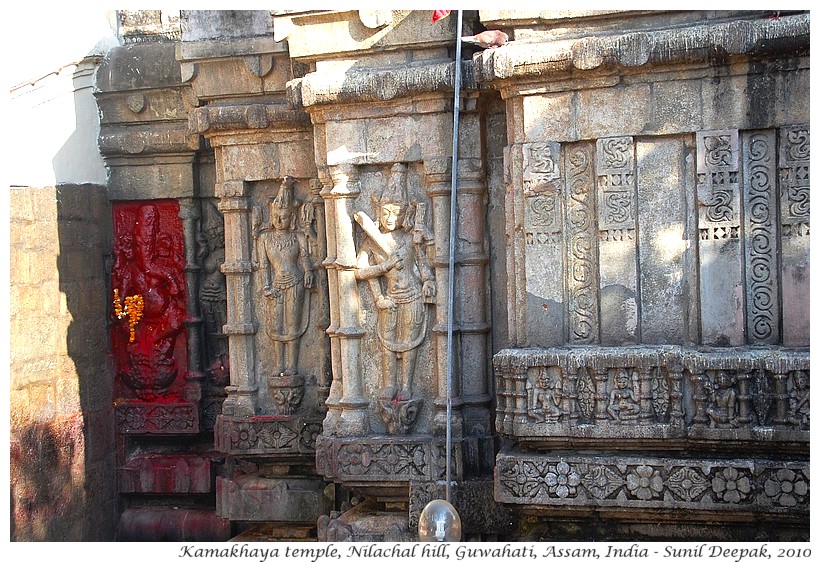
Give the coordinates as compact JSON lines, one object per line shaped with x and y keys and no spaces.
{"x":702,"y":393}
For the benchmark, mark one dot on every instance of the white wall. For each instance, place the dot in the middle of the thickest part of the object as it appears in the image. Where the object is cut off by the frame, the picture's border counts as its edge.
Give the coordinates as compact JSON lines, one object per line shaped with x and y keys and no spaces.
{"x":53,"y":131}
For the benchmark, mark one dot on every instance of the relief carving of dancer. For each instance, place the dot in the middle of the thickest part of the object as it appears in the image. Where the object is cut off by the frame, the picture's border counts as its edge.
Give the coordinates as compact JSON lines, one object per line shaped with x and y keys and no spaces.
{"x":394,"y":263}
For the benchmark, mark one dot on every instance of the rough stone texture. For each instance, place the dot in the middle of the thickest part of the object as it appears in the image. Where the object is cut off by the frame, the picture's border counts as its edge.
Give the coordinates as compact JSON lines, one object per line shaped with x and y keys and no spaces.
{"x":63,"y":484}
{"x":632,"y":186}
{"x":166,"y":524}
{"x":256,"y":498}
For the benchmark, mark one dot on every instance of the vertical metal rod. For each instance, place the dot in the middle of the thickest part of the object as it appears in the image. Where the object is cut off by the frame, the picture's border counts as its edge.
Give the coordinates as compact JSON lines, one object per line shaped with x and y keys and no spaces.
{"x":452,"y":256}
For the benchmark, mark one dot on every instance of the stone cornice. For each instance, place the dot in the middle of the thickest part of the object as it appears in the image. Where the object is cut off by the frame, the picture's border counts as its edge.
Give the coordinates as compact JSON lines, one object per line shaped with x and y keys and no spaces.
{"x":787,"y":35}
{"x":359,"y":86}
{"x":236,"y":118}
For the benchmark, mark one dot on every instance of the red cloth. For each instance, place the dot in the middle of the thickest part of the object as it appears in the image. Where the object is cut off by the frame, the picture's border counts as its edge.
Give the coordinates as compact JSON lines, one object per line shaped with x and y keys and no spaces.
{"x":440,"y":14}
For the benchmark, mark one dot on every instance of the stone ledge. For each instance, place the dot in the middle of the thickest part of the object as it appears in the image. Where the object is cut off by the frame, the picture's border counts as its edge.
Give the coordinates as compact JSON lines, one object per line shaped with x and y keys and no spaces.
{"x":787,"y":36}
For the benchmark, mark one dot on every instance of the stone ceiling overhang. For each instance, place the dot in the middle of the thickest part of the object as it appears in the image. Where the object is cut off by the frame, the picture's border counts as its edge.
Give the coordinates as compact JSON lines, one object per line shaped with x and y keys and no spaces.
{"x":708,"y":43}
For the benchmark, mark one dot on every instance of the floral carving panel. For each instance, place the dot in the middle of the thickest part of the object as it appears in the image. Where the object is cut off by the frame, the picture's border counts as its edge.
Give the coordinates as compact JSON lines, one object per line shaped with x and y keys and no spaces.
{"x":652,"y":482}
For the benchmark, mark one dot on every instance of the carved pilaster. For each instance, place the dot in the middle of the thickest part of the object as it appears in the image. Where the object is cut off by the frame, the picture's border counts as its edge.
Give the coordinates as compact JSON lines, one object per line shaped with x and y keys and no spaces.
{"x":353,"y":419}
{"x":240,"y":328}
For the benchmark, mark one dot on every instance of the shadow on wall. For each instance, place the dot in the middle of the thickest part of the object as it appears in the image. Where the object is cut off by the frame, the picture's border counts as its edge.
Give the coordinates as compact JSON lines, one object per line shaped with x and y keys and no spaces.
{"x":62,"y":451}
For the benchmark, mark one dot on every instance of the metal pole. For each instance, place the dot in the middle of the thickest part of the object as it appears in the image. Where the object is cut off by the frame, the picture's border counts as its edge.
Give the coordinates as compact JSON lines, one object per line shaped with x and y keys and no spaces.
{"x":452,"y":255}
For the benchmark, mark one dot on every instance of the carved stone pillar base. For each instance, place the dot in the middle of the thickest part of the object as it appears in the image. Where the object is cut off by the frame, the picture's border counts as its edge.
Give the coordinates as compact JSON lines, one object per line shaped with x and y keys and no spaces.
{"x":285,"y":438}
{"x":383,"y":466}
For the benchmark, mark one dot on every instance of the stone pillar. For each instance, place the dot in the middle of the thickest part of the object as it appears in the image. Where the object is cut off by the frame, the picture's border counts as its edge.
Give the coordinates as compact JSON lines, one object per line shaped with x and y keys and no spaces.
{"x":353,"y":419}
{"x":437,"y":177}
{"x":240,"y":328}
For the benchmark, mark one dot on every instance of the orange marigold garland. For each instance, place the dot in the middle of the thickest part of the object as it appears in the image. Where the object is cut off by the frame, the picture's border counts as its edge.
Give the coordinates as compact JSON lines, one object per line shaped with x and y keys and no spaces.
{"x":132,"y":308}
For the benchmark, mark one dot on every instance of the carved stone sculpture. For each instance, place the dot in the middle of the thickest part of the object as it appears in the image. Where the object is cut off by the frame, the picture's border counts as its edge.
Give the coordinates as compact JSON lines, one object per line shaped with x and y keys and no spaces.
{"x":394,"y":263}
{"x":212,"y":292}
{"x":623,"y":400}
{"x":723,"y":400}
{"x":148,"y":300}
{"x":544,"y":397}
{"x":287,"y":275}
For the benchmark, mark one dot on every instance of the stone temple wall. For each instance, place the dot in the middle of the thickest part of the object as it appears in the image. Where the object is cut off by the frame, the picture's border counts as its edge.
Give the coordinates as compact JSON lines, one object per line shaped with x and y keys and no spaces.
{"x":630,"y":289}
{"x":63,"y":481}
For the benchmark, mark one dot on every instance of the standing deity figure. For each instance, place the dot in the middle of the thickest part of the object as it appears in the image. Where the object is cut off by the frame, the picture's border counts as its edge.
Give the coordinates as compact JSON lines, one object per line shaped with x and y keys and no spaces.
{"x":393,"y":261}
{"x":213,"y":291}
{"x":287,"y":272}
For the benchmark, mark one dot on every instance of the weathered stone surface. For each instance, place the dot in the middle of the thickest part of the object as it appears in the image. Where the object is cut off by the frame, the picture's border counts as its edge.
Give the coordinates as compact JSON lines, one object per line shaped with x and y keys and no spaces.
{"x":739,"y":397}
{"x":158,"y":524}
{"x":256,"y":498}
{"x":173,"y":474}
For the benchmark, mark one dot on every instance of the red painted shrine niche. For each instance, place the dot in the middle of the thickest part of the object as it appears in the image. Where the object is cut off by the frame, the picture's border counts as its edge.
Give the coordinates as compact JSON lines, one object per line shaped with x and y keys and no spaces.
{"x":148,"y":334}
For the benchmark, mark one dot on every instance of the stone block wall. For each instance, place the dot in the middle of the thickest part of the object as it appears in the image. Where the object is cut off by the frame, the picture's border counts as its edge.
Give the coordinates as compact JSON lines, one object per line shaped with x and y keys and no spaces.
{"x":62,"y":436}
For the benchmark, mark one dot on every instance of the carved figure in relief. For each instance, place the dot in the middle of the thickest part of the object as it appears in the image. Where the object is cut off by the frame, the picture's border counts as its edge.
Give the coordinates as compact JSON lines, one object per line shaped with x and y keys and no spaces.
{"x":212,"y":290}
{"x":623,"y":399}
{"x":393,"y":261}
{"x":147,"y":266}
{"x":544,"y":395}
{"x":287,"y":274}
{"x":722,"y":410}
{"x":799,"y":400}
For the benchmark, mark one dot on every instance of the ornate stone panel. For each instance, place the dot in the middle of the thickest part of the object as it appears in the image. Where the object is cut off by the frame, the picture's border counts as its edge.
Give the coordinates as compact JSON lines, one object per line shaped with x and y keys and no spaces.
{"x":278,"y":436}
{"x":582,"y":248}
{"x":640,"y":483}
{"x":374,"y":464}
{"x":137,"y":418}
{"x":653,"y":392}
{"x":719,"y":227}
{"x":617,"y":245}
{"x":761,"y":240}
{"x":795,"y":220}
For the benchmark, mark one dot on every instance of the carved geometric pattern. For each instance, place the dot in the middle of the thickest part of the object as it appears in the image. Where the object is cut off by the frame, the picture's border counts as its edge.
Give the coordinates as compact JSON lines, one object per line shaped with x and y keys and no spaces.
{"x":760,"y":211}
{"x":794,"y":173}
{"x":360,"y":461}
{"x":620,"y":482}
{"x":717,"y":168}
{"x":264,"y":435}
{"x":615,"y":170}
{"x":156,"y":418}
{"x":541,"y":169}
{"x":582,"y":258}
{"x":631,"y":392}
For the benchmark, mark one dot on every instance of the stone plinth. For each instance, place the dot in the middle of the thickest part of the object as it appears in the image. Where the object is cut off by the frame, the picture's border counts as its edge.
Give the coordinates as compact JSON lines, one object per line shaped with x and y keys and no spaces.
{"x":383,"y":467}
{"x":256,"y":498}
{"x":282,"y":437}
